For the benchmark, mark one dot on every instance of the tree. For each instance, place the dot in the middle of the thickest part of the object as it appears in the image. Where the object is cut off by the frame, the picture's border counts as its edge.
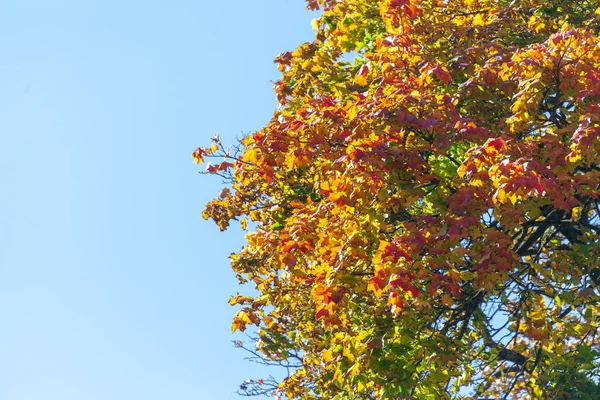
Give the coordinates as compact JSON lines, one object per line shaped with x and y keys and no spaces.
{"x":425,"y":203}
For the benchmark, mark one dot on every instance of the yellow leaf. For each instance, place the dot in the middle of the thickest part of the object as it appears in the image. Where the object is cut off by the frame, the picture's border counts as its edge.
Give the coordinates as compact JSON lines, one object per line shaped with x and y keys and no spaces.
{"x":348,"y":353}
{"x":576,"y":213}
{"x":251,"y":156}
{"x":519,"y":104}
{"x":314,"y":24}
{"x":239,"y":321}
{"x":327,"y":355}
{"x":478,"y":20}
{"x":537,"y":391}
{"x":361,"y":80}
{"x":499,"y":196}
{"x":334,"y":196}
{"x":574,"y":156}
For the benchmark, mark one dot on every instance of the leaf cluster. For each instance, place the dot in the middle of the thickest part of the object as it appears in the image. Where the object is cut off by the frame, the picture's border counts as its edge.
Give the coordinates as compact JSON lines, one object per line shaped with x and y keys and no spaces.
{"x":425,"y":204}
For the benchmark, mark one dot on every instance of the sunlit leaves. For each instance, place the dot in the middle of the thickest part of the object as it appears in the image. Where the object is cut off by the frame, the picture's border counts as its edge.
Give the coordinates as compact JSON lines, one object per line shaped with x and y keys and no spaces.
{"x":424,"y":203}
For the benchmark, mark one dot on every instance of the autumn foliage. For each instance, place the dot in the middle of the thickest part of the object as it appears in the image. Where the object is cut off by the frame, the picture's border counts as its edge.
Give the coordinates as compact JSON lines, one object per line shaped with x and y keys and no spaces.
{"x":425,"y":203}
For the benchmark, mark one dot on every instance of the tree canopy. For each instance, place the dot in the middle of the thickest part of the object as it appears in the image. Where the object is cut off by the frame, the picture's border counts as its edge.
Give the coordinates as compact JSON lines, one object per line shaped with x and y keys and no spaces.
{"x":425,"y":203}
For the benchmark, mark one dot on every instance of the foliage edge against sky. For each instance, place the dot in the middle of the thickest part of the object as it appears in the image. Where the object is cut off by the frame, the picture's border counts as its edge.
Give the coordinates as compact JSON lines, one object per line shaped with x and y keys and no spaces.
{"x":425,"y":215}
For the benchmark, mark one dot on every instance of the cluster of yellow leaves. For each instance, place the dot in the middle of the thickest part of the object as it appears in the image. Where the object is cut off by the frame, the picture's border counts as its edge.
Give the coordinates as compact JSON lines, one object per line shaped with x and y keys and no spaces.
{"x":402,"y":198}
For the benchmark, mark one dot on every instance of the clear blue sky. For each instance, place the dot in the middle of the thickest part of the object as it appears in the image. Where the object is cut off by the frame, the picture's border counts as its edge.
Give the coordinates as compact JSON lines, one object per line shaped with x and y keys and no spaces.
{"x":111,"y":285}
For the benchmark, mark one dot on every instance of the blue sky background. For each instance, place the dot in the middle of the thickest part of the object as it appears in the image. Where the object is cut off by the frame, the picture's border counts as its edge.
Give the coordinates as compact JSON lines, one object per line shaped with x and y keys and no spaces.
{"x":111,"y":284}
